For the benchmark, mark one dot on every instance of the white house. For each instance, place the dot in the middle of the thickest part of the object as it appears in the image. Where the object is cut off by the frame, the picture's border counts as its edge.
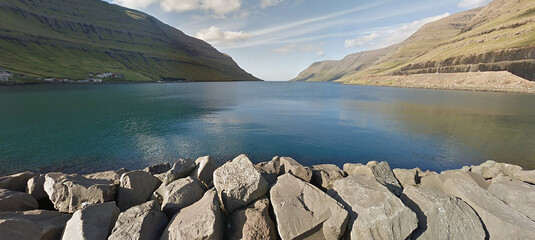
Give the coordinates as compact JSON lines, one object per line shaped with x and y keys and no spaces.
{"x":5,"y":76}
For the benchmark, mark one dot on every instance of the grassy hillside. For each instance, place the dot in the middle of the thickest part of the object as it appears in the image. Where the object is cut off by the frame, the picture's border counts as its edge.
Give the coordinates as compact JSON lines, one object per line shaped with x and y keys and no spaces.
{"x":70,"y":38}
{"x":498,"y":37}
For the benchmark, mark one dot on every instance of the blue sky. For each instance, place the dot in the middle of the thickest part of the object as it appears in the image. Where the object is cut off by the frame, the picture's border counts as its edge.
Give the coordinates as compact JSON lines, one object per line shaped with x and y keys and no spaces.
{"x":276,"y":39}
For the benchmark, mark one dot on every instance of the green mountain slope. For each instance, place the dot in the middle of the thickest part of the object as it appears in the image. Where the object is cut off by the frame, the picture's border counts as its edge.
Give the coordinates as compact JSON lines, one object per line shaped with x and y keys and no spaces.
{"x":70,"y":38}
{"x":498,"y":37}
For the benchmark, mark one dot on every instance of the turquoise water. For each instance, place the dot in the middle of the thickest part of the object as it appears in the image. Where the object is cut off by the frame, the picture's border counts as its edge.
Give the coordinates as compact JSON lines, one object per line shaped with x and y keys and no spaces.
{"x":87,"y":128}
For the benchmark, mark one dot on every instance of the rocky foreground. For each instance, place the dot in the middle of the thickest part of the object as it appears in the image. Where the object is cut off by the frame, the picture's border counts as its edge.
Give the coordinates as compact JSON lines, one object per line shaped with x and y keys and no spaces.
{"x":279,"y":199}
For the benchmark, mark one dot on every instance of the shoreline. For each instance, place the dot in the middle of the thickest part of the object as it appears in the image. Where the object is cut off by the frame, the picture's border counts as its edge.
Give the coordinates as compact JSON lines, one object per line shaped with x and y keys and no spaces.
{"x":277,"y":199}
{"x":504,"y":82}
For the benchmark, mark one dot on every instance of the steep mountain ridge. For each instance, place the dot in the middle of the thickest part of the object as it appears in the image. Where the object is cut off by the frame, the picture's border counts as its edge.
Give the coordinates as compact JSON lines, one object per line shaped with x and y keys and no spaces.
{"x":70,"y":38}
{"x":498,"y":37}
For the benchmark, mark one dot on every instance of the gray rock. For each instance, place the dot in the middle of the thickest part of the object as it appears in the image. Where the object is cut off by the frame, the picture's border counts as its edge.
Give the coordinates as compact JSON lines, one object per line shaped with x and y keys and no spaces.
{"x":94,"y":222}
{"x":441,"y":216}
{"x":180,"y":194}
{"x":422,"y":174}
{"x":238,"y":183}
{"x":34,"y":224}
{"x":303,"y":211}
{"x":385,"y":176}
{"x":114,"y":176}
{"x":142,"y":222}
{"x":324,"y":175}
{"x":180,"y":169}
{"x":269,"y":170}
{"x":204,"y":170}
{"x":357,"y":169}
{"x":406,"y":177}
{"x":501,"y":220}
{"x":16,"y":201}
{"x":202,"y":220}
{"x":437,"y":181}
{"x":491,"y":169}
{"x":69,"y":193}
{"x":136,"y":187}
{"x":16,"y":182}
{"x":158,"y":168}
{"x":517,"y":194}
{"x":374,"y":211}
{"x":289,"y":165}
{"x":525,"y":176}
{"x":35,"y":187}
{"x":253,"y":222}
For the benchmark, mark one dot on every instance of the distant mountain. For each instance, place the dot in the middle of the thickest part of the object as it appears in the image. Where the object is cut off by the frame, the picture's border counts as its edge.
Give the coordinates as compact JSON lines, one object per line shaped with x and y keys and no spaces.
{"x":71,"y":38}
{"x":498,"y":37}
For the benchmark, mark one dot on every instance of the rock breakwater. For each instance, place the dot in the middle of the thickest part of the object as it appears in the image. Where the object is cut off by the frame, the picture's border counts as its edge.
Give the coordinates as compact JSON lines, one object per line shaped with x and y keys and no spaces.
{"x":277,"y":199}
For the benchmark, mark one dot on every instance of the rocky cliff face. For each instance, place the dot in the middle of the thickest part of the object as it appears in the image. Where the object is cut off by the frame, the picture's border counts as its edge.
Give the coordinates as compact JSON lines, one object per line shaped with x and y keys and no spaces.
{"x":498,"y":37}
{"x":70,"y":38}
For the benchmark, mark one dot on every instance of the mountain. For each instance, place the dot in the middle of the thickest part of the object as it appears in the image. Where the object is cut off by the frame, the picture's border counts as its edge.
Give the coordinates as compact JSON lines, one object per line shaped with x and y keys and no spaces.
{"x":71,"y":38}
{"x":498,"y":37}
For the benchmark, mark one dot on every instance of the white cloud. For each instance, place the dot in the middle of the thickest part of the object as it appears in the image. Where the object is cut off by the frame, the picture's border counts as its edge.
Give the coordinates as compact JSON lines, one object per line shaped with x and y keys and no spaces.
{"x":286,"y":49}
{"x":214,"y":35}
{"x":219,"y":7}
{"x":393,"y":35}
{"x":468,"y":4}
{"x":361,"y":41}
{"x":269,"y":3}
{"x":296,"y":48}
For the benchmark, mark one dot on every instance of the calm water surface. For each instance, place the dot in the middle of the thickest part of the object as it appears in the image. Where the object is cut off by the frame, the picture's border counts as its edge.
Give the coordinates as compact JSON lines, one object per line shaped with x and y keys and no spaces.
{"x":87,"y":128}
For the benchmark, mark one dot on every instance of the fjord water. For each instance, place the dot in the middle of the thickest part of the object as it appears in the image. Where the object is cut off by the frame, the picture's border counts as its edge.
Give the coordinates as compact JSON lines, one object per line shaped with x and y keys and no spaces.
{"x":88,"y":128}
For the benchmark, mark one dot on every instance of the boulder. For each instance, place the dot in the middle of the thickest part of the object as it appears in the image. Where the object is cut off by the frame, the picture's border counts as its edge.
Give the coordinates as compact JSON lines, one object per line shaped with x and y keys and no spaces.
{"x":34,"y":224}
{"x":252,"y":222}
{"x":517,"y":194}
{"x":357,"y":169}
{"x":437,"y":181}
{"x":142,"y":222}
{"x":422,"y":174}
{"x":304,"y":211}
{"x":202,"y":220}
{"x":92,"y":223}
{"x":406,"y":177}
{"x":324,"y":175}
{"x":16,"y":201}
{"x":35,"y":187}
{"x":238,"y":183}
{"x":501,"y":220}
{"x":135,"y":188}
{"x":16,"y":182}
{"x":70,"y":193}
{"x":158,"y":168}
{"x":180,"y":169}
{"x":374,"y":211}
{"x":441,"y":216}
{"x":114,"y":176}
{"x":289,"y":165}
{"x":269,"y":170}
{"x":525,"y":176}
{"x":180,"y":194}
{"x":491,"y":169}
{"x":204,"y":170}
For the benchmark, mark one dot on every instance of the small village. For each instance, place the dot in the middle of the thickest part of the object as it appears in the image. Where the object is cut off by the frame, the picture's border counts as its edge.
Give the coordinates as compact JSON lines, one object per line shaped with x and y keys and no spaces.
{"x":7,"y":76}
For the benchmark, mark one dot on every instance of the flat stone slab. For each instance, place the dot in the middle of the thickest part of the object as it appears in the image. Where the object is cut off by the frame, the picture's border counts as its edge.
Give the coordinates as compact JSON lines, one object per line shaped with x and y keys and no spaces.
{"x":142,"y":222}
{"x":303,"y":211}
{"x":407,"y":177}
{"x":238,"y":183}
{"x":380,"y":170}
{"x":136,"y":187}
{"x":70,"y":193}
{"x":92,"y":223}
{"x":501,"y":220}
{"x":16,"y":201}
{"x":491,"y":169}
{"x":374,"y":211}
{"x":34,"y":224}
{"x":517,"y":194}
{"x":202,"y":220}
{"x":437,"y":180}
{"x":441,"y":216}
{"x":525,"y":176}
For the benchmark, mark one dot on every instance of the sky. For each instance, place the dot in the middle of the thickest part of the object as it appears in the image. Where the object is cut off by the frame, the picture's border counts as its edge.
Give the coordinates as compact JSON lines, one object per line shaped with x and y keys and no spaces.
{"x":276,"y":39}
